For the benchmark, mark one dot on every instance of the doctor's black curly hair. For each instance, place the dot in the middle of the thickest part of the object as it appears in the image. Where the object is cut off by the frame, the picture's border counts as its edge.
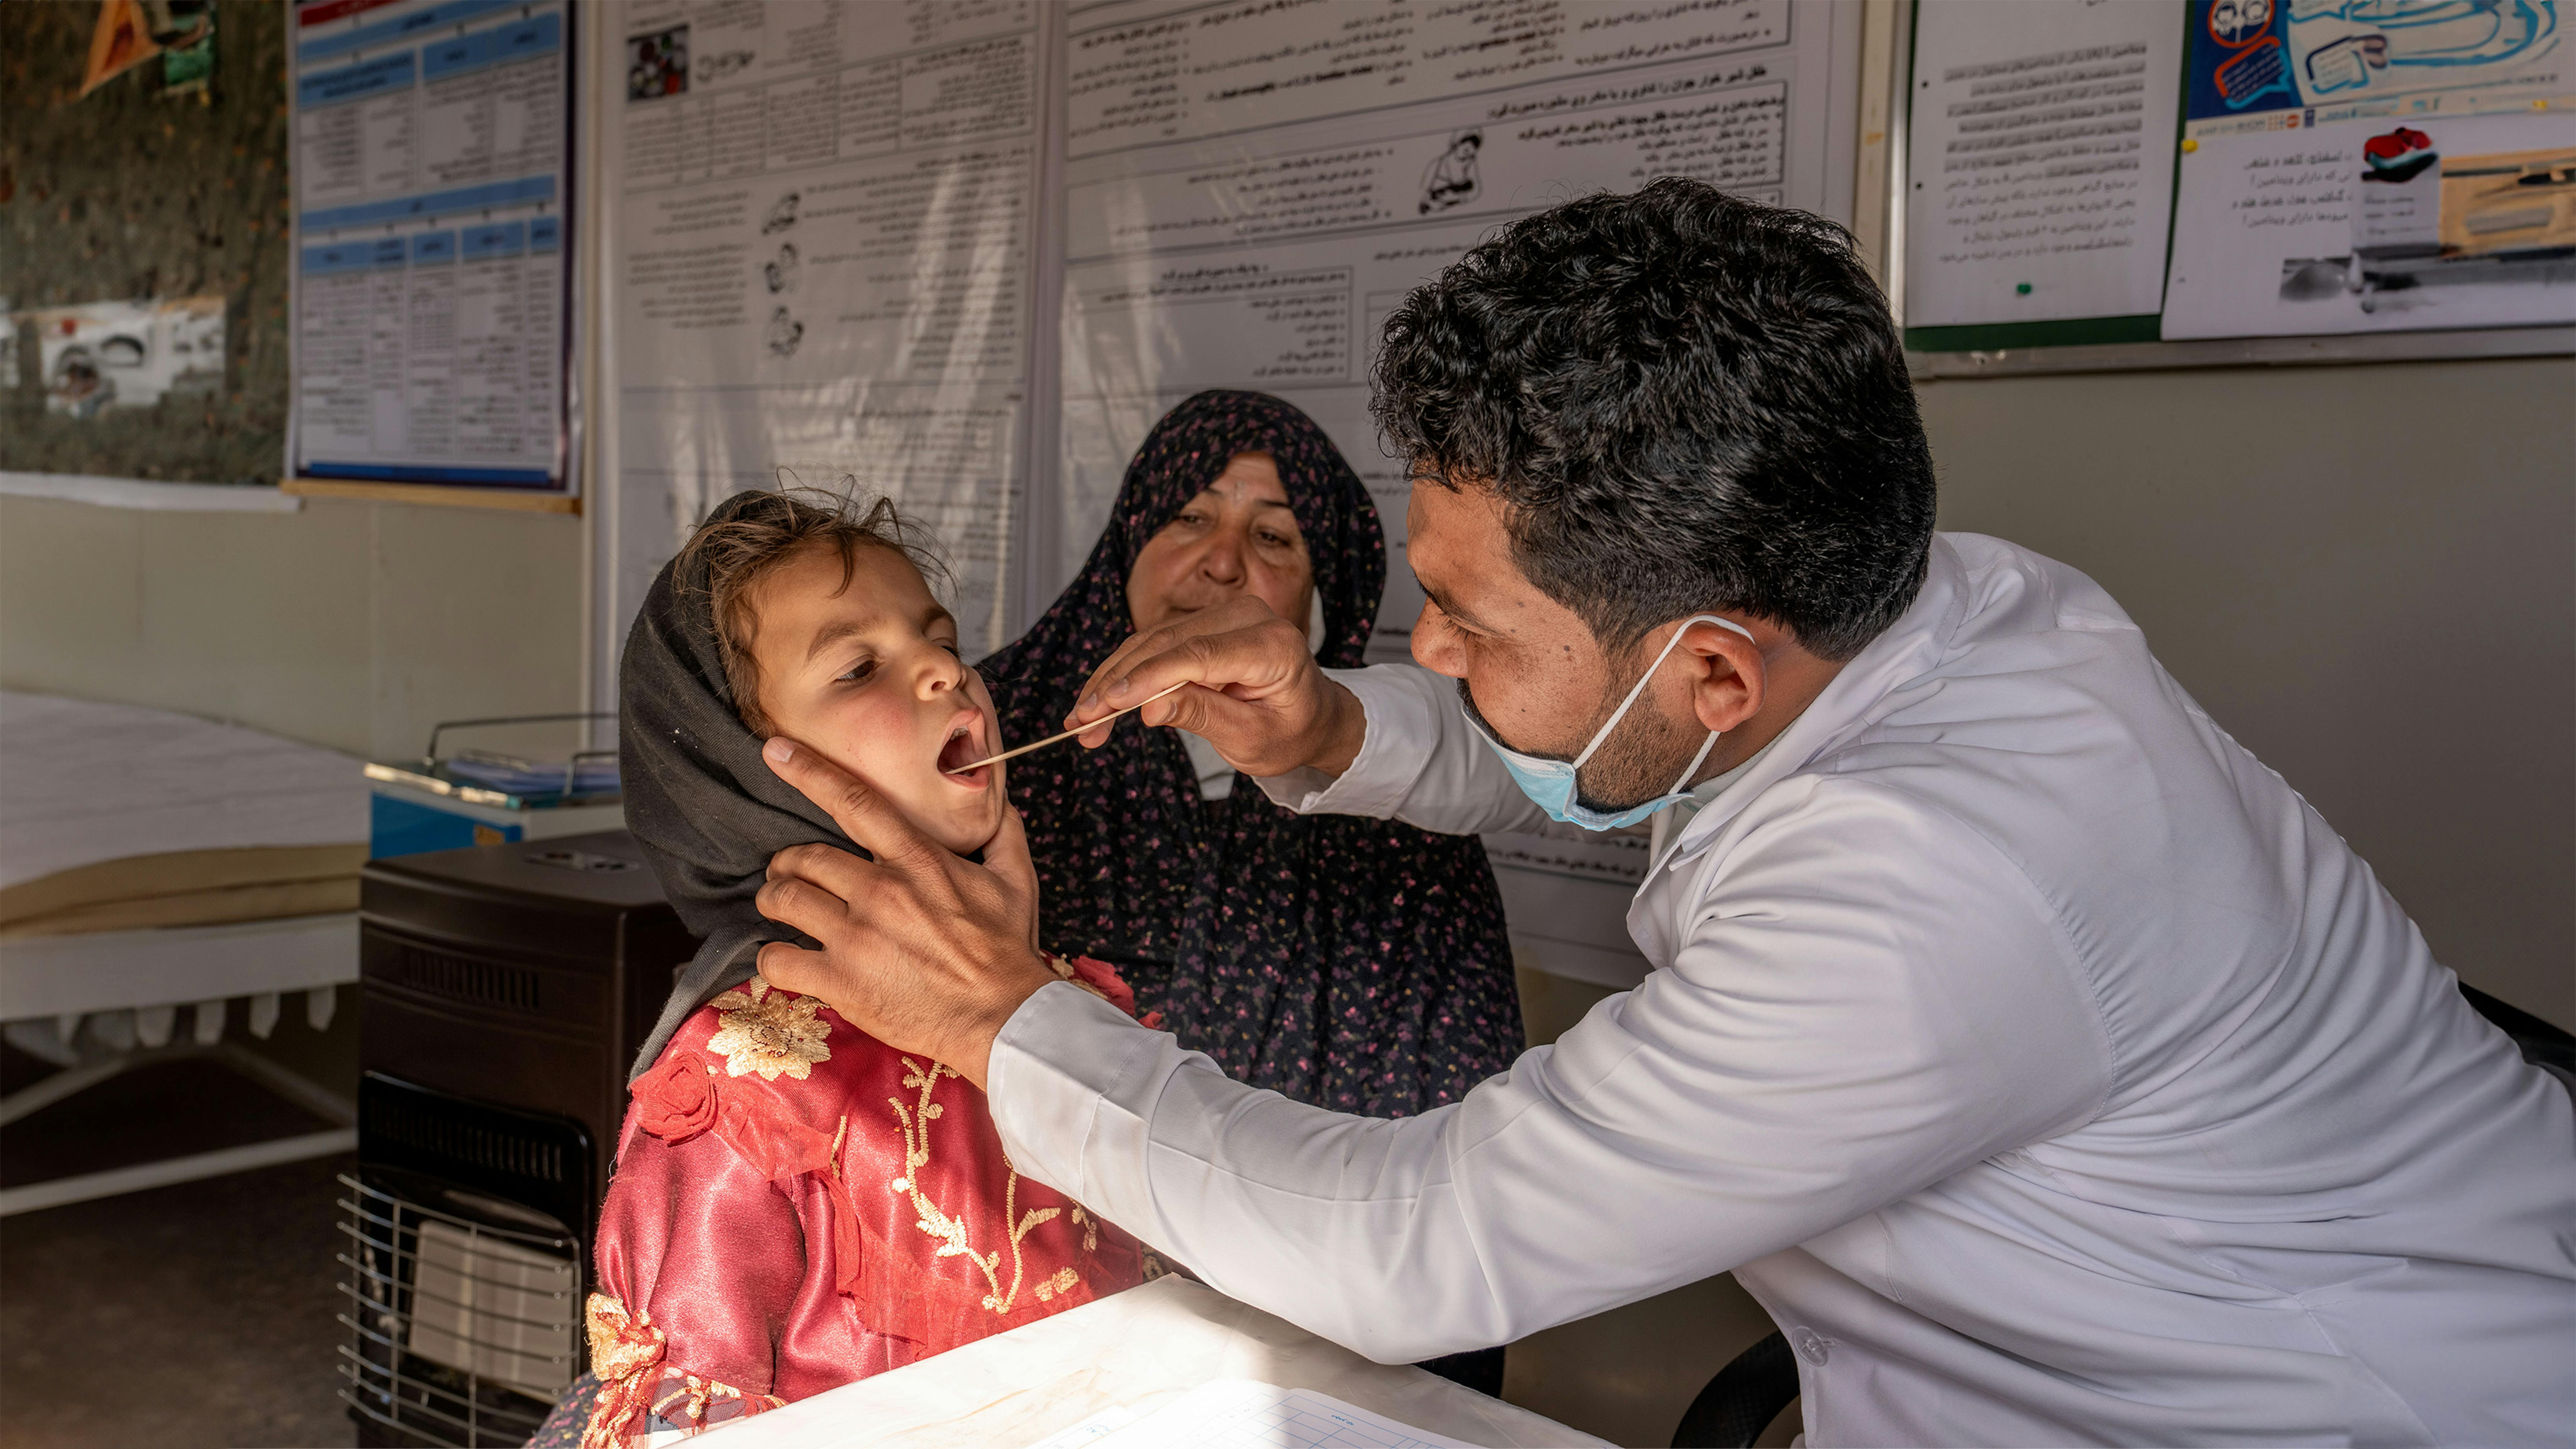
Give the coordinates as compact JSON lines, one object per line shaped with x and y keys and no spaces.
{"x":1685,"y":401}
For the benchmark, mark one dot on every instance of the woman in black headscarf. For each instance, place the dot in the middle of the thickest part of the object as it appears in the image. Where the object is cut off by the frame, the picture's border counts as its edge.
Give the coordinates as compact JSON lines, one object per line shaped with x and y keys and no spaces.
{"x":1360,"y":965}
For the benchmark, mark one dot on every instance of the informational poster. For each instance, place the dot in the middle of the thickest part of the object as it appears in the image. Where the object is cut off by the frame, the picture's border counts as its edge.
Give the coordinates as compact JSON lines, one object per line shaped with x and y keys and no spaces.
{"x":2041,"y":176}
{"x":819,"y":268}
{"x":1252,"y":186}
{"x":2374,"y":165}
{"x":432,"y":164}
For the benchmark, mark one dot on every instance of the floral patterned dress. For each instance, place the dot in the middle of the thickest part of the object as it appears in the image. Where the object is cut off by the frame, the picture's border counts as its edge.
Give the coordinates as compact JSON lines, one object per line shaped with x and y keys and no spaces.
{"x":797,"y":1205}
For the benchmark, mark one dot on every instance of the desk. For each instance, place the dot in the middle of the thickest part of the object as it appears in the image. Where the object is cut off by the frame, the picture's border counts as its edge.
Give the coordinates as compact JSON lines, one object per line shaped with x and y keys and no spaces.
{"x":1141,"y":1348}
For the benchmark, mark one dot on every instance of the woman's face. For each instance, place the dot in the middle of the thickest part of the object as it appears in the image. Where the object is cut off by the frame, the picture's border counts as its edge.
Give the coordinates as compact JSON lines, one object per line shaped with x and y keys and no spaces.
{"x":1238,"y":537}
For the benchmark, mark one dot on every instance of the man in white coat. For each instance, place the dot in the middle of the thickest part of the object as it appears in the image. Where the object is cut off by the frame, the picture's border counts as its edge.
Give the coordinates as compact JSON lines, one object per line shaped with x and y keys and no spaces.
{"x":2043,"y":1063}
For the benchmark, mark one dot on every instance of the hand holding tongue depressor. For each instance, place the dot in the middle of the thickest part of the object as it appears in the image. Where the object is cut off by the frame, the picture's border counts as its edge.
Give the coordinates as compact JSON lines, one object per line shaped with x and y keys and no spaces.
{"x":1069,"y":734}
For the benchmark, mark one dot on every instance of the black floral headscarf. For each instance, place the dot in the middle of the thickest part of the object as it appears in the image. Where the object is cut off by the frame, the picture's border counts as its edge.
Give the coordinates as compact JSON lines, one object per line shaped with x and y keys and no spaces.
{"x":1356,"y":964}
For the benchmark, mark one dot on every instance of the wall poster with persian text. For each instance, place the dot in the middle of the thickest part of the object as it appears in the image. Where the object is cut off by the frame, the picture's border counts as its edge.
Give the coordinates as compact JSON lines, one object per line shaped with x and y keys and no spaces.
{"x":432,"y":162}
{"x":1251,"y":187}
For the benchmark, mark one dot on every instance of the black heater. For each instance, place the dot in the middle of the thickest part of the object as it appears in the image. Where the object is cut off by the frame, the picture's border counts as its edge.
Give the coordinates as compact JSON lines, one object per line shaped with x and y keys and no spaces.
{"x":505,"y":989}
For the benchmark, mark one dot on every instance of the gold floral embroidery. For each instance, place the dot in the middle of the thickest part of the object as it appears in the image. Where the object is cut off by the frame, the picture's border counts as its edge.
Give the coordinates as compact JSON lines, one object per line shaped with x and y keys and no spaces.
{"x":1090,"y":1229}
{"x":954,"y":1240}
{"x":621,"y":1345}
{"x":692,"y":1394}
{"x":626,"y":1353}
{"x":770,"y":1032}
{"x":1063,"y":1282}
{"x":1063,"y":970}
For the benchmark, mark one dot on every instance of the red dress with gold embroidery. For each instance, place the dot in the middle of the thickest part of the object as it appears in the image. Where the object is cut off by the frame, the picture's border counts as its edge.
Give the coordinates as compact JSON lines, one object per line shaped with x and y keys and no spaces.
{"x":797,"y":1205}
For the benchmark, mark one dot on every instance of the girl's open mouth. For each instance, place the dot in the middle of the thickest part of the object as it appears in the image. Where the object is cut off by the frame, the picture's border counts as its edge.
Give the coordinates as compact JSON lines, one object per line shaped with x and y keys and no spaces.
{"x":964,"y":745}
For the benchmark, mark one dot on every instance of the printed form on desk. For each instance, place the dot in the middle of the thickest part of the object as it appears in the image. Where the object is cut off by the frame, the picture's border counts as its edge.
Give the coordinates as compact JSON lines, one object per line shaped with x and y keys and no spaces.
{"x":1242,"y":1414}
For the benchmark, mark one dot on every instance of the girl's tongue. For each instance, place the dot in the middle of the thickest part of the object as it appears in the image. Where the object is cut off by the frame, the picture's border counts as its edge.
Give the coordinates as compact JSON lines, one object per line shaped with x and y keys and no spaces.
{"x":959,"y":750}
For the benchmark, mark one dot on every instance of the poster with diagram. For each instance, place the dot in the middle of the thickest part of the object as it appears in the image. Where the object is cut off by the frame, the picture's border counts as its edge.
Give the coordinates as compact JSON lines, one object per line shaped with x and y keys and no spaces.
{"x":818,"y":270}
{"x":2374,"y":165}
{"x":432,"y":281}
{"x":1251,"y":187}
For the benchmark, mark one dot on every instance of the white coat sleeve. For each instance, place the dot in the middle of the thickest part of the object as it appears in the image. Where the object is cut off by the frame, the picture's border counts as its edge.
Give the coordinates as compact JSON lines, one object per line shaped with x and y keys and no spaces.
{"x":1870,"y":998}
{"x":1419,"y":763}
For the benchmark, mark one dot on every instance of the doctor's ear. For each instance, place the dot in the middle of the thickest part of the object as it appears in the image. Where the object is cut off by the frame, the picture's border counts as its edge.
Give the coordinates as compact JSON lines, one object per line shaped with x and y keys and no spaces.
{"x":1726,"y":673}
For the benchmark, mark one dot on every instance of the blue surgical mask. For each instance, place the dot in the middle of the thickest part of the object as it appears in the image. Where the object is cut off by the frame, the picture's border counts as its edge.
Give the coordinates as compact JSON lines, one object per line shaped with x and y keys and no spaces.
{"x":1550,"y":783}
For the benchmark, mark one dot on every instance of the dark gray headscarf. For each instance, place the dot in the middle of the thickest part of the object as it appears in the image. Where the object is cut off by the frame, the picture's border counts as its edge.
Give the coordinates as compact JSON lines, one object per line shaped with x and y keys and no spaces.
{"x":708,"y":811}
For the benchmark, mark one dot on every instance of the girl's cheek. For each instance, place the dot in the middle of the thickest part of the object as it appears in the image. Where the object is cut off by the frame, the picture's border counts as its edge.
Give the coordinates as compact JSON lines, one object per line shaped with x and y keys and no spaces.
{"x":865,"y":727}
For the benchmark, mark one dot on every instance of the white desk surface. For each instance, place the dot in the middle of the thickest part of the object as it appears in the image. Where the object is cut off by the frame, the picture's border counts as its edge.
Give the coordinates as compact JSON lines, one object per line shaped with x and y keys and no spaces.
{"x":1139,"y":1349}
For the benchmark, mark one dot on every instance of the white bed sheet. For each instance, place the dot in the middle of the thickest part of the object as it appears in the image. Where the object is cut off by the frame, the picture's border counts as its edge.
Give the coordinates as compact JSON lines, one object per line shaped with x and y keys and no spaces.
{"x":68,"y":977}
{"x":82,"y":782}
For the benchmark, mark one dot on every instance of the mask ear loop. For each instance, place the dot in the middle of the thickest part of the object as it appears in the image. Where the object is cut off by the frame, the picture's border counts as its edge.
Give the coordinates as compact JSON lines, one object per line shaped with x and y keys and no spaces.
{"x":1644,"y":679}
{"x":1692,"y":768}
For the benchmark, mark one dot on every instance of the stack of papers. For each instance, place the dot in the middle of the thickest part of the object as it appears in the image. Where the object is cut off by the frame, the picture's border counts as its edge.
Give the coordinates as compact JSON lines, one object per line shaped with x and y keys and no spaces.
{"x":513,"y":775}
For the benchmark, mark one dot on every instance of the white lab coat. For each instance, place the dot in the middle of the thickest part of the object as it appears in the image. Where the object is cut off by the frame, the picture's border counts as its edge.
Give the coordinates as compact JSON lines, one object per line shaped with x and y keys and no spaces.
{"x":2044,"y":1064}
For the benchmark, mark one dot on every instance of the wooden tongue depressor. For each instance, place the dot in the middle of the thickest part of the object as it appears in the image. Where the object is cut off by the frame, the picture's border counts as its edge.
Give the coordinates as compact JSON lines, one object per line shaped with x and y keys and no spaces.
{"x":1069,"y":734}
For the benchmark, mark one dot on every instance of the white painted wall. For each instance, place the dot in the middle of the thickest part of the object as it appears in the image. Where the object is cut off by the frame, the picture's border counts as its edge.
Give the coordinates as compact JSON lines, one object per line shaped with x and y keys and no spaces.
{"x":352,"y":625}
{"x":2366,"y":574}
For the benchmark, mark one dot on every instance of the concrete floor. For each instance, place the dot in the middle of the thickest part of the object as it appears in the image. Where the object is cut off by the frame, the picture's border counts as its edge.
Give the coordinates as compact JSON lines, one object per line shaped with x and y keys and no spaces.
{"x":200,"y":1314}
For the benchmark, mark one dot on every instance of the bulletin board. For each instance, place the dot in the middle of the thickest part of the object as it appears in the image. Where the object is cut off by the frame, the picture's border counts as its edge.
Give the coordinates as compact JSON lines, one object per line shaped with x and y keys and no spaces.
{"x":2162,"y":183}
{"x":143,"y":272}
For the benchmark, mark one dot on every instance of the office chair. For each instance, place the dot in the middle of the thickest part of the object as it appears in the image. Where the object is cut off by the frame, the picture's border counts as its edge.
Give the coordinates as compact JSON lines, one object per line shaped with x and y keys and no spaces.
{"x":2542,"y":1045}
{"x":1742,"y":1400}
{"x":1751,"y":1391}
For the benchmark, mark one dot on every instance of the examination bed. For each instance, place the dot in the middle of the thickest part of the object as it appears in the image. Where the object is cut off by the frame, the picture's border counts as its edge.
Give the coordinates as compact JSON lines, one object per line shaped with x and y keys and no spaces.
{"x":153,"y":867}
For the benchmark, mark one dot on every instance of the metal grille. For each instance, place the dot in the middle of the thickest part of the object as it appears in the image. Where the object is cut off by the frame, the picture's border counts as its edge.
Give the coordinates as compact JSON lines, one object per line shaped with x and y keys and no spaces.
{"x":431,"y":1125}
{"x":465,"y":978}
{"x":460,"y":1333}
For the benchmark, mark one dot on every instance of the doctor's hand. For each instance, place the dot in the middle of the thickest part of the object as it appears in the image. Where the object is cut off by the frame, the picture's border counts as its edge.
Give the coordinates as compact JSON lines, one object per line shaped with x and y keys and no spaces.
{"x":1255,"y":691}
{"x":922,"y":949}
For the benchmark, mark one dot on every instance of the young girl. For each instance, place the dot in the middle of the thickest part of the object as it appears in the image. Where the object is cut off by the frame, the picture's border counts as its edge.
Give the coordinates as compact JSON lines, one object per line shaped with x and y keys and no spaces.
{"x":795,"y":1204}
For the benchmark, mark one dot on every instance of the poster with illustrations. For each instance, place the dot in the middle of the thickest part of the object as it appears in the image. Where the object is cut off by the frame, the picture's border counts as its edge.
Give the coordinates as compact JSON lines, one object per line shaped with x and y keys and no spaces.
{"x":819,"y":269}
{"x":2374,"y":165}
{"x":106,"y":356}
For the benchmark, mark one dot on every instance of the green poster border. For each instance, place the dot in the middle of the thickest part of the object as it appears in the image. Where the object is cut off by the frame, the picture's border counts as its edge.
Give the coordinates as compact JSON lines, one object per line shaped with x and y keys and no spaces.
{"x":2069,"y":331}
{"x":2065,"y":332}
